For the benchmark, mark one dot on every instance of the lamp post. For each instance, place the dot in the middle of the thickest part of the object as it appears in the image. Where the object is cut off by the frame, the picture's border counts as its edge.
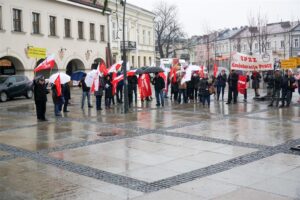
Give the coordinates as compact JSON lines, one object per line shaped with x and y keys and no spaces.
{"x":124,"y":63}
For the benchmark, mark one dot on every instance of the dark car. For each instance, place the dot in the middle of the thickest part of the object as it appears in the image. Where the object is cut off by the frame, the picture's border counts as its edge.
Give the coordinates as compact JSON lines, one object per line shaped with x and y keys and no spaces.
{"x":15,"y":86}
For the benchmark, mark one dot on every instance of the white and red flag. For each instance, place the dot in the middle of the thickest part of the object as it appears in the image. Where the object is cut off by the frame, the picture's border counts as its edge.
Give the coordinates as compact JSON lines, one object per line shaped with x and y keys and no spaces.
{"x":48,"y":63}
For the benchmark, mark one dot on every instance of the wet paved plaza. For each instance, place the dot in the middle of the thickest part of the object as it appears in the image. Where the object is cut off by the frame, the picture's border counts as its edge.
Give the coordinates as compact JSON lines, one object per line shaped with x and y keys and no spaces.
{"x":178,"y":152}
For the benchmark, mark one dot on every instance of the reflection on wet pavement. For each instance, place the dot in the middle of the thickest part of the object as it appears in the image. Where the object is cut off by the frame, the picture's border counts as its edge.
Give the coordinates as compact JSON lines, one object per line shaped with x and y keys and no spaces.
{"x":180,"y":151}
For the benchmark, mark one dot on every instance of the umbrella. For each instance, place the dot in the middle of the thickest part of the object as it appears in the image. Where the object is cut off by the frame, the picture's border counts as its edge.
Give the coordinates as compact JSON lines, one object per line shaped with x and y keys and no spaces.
{"x":64,"y":78}
{"x":89,"y":79}
{"x":153,"y":70}
{"x":77,"y":76}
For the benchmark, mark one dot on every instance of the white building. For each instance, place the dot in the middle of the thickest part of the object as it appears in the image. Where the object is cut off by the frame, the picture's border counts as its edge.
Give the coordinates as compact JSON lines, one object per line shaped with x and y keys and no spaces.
{"x":74,"y":30}
{"x":139,"y":32}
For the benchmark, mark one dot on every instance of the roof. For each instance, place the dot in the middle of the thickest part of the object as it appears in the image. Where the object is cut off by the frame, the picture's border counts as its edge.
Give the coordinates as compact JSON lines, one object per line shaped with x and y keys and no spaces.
{"x":229,"y":33}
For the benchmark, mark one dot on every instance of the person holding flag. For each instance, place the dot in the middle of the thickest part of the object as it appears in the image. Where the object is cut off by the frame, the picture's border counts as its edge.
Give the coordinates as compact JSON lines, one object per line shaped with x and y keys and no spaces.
{"x":40,"y":98}
{"x":85,"y":93}
{"x":108,"y":92}
{"x":57,"y":96}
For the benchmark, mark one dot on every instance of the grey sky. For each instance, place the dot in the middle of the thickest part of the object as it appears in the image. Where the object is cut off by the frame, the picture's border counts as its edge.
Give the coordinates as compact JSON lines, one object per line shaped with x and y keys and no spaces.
{"x":195,"y":15}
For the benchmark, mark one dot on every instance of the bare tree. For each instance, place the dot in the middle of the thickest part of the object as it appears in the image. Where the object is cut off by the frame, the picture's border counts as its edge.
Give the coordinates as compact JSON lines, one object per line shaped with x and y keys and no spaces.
{"x":167,"y":28}
{"x":252,"y":32}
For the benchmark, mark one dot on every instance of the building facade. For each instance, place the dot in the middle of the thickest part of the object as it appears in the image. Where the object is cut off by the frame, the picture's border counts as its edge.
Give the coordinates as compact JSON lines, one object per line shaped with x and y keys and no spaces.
{"x":75,"y":31}
{"x":139,"y":34}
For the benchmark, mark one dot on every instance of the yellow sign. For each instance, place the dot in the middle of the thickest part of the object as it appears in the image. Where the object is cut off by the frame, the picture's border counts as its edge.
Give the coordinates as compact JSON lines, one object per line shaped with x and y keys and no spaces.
{"x":289,"y":64}
{"x":35,"y":52}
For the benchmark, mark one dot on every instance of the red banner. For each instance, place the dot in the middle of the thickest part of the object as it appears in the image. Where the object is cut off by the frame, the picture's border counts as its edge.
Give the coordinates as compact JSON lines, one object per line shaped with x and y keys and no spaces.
{"x":242,"y":83}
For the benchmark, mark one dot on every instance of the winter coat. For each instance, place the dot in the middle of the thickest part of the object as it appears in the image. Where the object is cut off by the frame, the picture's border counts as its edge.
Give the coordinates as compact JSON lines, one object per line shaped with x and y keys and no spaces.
{"x":108,"y":89}
{"x":288,"y":83}
{"x":232,"y":80}
{"x":100,"y":88}
{"x":67,"y":92}
{"x":195,"y":80}
{"x":182,"y":86}
{"x":277,"y":82}
{"x":57,"y":99}
{"x":83,"y":85}
{"x":158,"y":83}
{"x":221,"y":80}
{"x":132,"y":81}
{"x":255,"y":80}
{"x":40,"y":92}
{"x":203,"y":87}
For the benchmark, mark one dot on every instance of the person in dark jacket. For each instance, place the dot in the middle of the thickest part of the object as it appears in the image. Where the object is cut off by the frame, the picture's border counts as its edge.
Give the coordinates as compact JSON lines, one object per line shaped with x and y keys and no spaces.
{"x":221,"y":84}
{"x":67,"y":96}
{"x":269,"y":80}
{"x":255,"y":77}
{"x":85,"y":93}
{"x":277,"y":82}
{"x":40,"y":98}
{"x":195,"y":81}
{"x":159,"y":85}
{"x":204,"y":90}
{"x":232,"y":87}
{"x":174,"y":90}
{"x":108,"y":92}
{"x":98,"y":94}
{"x":182,"y":90}
{"x":132,"y":84}
{"x":288,"y":87}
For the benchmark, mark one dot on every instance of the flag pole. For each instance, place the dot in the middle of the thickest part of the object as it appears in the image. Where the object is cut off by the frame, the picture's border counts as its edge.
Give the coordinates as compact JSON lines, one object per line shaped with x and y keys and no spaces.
{"x":126,"y":103}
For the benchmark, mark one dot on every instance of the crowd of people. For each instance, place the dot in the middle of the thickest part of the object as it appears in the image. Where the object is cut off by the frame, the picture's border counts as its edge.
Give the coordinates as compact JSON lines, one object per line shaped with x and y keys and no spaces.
{"x":280,"y":86}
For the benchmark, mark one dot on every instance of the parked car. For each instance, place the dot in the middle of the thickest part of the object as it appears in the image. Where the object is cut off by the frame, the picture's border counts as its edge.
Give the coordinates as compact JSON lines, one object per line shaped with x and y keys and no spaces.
{"x":15,"y":86}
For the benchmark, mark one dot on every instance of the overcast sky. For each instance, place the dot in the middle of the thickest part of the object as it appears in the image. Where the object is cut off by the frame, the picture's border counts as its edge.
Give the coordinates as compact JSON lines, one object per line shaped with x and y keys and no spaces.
{"x":195,"y":15}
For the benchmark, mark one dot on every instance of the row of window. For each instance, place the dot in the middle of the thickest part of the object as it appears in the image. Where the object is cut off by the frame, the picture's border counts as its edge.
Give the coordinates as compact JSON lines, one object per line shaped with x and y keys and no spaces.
{"x":36,"y":24}
{"x":146,"y":35}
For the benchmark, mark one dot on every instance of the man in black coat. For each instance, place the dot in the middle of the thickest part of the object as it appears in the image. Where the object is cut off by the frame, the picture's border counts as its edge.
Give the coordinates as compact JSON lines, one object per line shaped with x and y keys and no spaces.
{"x":288,"y":87}
{"x":132,"y":84}
{"x":67,"y":96}
{"x":232,"y":87}
{"x":40,"y":98}
{"x":276,"y":84}
{"x":159,"y":85}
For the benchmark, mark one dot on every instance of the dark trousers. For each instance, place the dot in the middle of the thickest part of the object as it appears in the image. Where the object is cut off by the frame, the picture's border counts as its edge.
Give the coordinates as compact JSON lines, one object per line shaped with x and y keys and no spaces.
{"x":275,"y":97}
{"x":159,"y":94}
{"x":134,"y":90}
{"x":220,"y":90}
{"x":195,"y":93}
{"x":119,"y":94}
{"x":108,"y":101}
{"x":245,"y":94}
{"x":66,"y":105}
{"x":182,"y":92}
{"x":175,"y":95}
{"x":40,"y":109}
{"x":287,"y":96}
{"x":190,"y":93}
{"x":206,"y":98}
{"x":98,"y":102}
{"x":232,"y":93}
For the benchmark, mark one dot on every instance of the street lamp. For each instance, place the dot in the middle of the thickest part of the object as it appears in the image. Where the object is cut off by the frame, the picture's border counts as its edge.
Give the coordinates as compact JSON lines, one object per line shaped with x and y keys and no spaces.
{"x":123,"y":2}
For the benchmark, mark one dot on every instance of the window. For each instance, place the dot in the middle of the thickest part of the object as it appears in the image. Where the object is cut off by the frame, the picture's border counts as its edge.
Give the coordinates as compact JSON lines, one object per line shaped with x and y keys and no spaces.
{"x":36,"y":23}
{"x":268,"y":45}
{"x":145,"y":61}
{"x":17,"y":14}
{"x":256,"y":45}
{"x":144,"y":37}
{"x":102,"y":31}
{"x":281,"y":44}
{"x":1,"y":18}
{"x":80,"y":30}
{"x":296,"y":43}
{"x":149,"y":37}
{"x":67,"y":28}
{"x":92,"y":31}
{"x":139,"y":61}
{"x":20,"y":79}
{"x":52,"y":26}
{"x":150,"y":61}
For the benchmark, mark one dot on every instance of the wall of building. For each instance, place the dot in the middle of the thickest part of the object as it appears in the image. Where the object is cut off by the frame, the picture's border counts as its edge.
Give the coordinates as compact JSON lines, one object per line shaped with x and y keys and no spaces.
{"x":82,"y":51}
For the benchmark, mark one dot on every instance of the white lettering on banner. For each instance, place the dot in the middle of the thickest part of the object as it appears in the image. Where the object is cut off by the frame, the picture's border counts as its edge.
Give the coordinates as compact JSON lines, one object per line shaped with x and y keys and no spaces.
{"x":245,"y":62}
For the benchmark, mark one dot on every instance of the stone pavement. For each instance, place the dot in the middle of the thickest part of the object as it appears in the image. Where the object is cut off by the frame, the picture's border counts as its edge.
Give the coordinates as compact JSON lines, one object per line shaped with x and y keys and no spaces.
{"x":179,"y":152}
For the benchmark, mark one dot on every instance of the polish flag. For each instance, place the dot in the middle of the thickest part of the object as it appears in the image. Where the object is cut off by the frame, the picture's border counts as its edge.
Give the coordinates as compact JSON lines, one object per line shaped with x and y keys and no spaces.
{"x":201,"y":72}
{"x":48,"y":63}
{"x":131,"y":73}
{"x":115,"y":67}
{"x":58,"y":86}
{"x":115,"y":83}
{"x":102,"y":68}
